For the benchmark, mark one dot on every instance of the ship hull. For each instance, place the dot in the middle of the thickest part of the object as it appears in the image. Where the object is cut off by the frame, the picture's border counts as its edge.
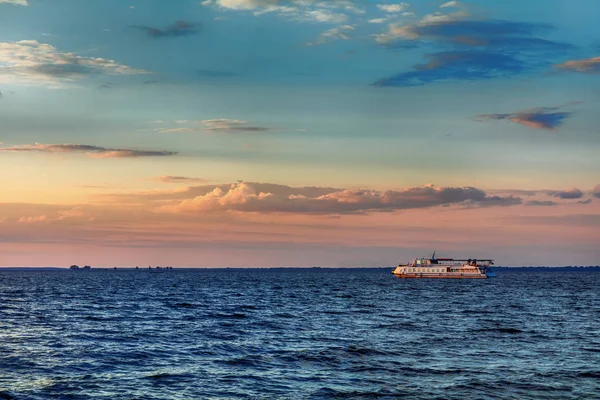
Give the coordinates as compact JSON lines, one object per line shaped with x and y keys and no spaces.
{"x":434,"y":276}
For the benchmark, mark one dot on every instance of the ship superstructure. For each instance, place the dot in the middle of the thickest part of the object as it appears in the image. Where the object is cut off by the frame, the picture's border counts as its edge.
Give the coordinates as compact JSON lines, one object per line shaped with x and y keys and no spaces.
{"x":445,"y":268}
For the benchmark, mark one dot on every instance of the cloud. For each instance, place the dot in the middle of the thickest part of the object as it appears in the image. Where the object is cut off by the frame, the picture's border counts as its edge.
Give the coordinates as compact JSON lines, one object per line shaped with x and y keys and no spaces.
{"x":245,"y":4}
{"x":378,"y":20}
{"x":588,"y":66}
{"x":32,"y":220}
{"x":596,"y":191}
{"x":178,"y":179}
{"x":76,"y":213}
{"x":587,"y":201}
{"x":478,"y":49}
{"x":179,"y":28}
{"x":538,"y":118}
{"x":15,"y":2}
{"x":455,"y":28}
{"x":92,"y":151}
{"x":393,"y":8}
{"x":325,"y":16}
{"x":573,"y":193}
{"x":28,"y":61}
{"x":451,"y":4}
{"x":457,"y":66}
{"x":107,"y":85}
{"x":540,"y":203}
{"x":339,"y":33}
{"x":301,"y":10}
{"x":232,"y":125}
{"x":248,"y":197}
{"x":215,"y":125}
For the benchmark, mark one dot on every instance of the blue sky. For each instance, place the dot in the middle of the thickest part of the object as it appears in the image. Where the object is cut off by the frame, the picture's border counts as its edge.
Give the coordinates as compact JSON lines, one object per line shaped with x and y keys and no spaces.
{"x":384,"y":95}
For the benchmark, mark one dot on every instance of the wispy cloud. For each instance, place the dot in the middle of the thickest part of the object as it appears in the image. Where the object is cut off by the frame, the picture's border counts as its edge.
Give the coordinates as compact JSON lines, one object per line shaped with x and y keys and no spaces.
{"x":588,"y":66}
{"x":248,"y":197}
{"x":538,"y":118}
{"x":215,"y":125}
{"x":323,"y":11}
{"x":32,"y":219}
{"x":107,"y":85}
{"x":339,"y":33}
{"x":15,"y":2}
{"x":477,"y":49}
{"x":28,"y":61}
{"x":573,"y":193}
{"x":457,"y":65}
{"x":453,"y":3}
{"x":540,"y":203}
{"x":243,"y":4}
{"x":75,"y":214}
{"x":92,"y":151}
{"x":179,"y":28}
{"x":178,"y":179}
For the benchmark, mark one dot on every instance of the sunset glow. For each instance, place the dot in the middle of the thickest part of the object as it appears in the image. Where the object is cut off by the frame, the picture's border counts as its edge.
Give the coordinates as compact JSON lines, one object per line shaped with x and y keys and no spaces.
{"x":298,"y":133}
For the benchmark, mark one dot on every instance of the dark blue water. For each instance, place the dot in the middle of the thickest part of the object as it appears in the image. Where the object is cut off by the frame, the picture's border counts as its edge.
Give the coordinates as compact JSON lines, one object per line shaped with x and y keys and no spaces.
{"x":297,"y":334}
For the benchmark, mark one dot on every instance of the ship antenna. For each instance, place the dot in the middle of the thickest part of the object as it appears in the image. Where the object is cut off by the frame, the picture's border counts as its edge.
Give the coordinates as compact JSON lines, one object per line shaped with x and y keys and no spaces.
{"x":433,"y":256}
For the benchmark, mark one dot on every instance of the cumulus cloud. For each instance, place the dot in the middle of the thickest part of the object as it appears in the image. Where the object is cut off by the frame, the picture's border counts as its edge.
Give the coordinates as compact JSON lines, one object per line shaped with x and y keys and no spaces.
{"x":179,"y":28}
{"x":538,"y":118}
{"x":247,"y":197}
{"x":339,"y":33}
{"x":540,"y":203}
{"x":596,"y":191}
{"x":479,"y":49}
{"x":588,"y":66}
{"x":215,"y":125}
{"x":573,"y":193}
{"x":32,"y":62}
{"x":92,"y":151}
{"x":393,"y":8}
{"x":15,"y":2}
{"x":178,"y":179}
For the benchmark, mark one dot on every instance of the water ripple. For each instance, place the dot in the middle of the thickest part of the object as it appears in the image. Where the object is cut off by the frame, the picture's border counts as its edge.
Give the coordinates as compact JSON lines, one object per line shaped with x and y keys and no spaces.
{"x":297,"y":334}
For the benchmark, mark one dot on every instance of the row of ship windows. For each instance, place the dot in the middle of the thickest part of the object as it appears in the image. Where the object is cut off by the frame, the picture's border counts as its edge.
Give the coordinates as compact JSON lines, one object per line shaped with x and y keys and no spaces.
{"x":424,"y":270}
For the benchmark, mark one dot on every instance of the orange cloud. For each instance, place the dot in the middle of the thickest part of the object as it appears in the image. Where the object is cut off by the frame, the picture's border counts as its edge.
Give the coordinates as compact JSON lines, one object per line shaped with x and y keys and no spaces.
{"x":32,"y":220}
{"x":178,"y":179}
{"x":588,"y":66}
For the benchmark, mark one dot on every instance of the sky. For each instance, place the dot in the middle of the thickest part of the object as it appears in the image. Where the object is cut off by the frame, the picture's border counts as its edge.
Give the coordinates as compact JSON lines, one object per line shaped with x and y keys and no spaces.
{"x":339,"y":133}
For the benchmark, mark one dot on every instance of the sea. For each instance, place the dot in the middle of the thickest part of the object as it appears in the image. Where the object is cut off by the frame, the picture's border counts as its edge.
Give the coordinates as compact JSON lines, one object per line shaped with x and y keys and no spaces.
{"x":314,"y":333}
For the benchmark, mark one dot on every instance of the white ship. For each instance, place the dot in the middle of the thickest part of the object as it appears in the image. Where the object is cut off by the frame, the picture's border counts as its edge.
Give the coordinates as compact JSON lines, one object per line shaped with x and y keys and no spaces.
{"x":445,"y":268}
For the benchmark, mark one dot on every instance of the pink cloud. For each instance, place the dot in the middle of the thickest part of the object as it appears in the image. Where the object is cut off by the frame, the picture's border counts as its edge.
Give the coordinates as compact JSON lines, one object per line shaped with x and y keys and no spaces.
{"x":588,"y":66}
{"x":32,"y":220}
{"x":247,"y":197}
